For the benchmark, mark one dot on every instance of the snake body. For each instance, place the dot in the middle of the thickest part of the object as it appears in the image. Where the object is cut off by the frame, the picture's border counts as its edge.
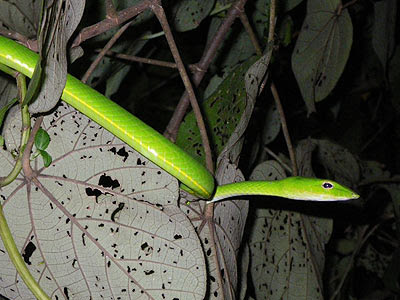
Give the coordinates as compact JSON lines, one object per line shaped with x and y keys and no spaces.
{"x":161,"y":151}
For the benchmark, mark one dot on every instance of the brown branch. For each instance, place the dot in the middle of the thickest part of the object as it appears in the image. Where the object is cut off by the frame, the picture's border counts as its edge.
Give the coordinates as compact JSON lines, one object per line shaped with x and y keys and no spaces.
{"x":274,"y":91}
{"x":159,"y":12}
{"x":145,"y":60}
{"x":14,"y":35}
{"x":285,"y":128}
{"x":208,"y":56}
{"x":26,"y":161}
{"x":250,"y":32}
{"x":107,"y":47}
{"x":111,"y":12}
{"x":107,"y":24}
{"x":271,"y":33}
{"x":272,"y":21}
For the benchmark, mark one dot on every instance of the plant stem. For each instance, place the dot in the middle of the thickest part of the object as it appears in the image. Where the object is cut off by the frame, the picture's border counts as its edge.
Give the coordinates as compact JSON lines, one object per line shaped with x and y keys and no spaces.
{"x":17,"y":260}
{"x":5,"y":232}
{"x":26,"y":130}
{"x":8,"y":70}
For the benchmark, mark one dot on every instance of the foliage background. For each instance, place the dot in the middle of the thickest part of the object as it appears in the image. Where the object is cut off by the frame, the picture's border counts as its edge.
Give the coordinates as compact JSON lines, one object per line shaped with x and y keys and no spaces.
{"x":335,"y":68}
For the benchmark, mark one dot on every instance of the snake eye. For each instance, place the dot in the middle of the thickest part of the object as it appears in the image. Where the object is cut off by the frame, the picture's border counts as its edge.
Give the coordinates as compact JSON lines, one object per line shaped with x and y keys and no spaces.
{"x":327,"y":185}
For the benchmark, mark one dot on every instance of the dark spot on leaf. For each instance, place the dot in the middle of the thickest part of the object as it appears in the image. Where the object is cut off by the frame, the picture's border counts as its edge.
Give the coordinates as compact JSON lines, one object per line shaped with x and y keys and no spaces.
{"x":113,"y":150}
{"x":118,"y":209}
{"x":177,"y":236}
{"x":93,"y":192}
{"x":66,"y":292}
{"x":107,"y":181}
{"x":148,"y":272}
{"x":28,"y":251}
{"x":122,"y":152}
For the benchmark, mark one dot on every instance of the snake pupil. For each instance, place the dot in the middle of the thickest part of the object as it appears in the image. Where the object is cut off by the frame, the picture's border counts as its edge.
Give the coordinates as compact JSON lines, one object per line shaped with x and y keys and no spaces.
{"x":327,"y":185}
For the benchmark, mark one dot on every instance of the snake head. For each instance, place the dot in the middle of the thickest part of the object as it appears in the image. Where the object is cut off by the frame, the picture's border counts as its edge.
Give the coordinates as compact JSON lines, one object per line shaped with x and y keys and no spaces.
{"x":319,"y":190}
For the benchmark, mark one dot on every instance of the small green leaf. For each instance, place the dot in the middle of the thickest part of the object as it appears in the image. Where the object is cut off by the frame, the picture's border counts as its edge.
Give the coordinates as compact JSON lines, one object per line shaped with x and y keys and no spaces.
{"x":1,"y":141}
{"x":5,"y":108}
{"x":42,"y":139}
{"x":46,"y":158}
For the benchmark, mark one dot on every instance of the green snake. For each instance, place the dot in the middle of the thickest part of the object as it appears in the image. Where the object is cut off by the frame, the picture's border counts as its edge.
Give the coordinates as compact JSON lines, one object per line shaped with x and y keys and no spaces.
{"x":164,"y":153}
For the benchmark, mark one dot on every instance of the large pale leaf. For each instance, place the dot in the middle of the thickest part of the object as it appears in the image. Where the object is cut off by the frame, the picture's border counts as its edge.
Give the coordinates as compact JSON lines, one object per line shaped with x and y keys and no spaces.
{"x":282,"y":246}
{"x":243,"y":266}
{"x":322,"y":49}
{"x":101,"y":222}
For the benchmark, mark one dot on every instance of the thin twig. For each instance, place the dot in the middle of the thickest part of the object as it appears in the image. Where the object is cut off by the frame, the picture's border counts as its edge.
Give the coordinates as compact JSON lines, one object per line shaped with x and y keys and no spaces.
{"x":272,"y":21}
{"x":276,"y":157}
{"x":111,"y":12}
{"x":250,"y":32}
{"x":159,"y":12}
{"x":14,"y":35}
{"x":106,"y":24}
{"x":145,"y":60}
{"x":274,"y":91}
{"x":25,"y":132}
{"x":285,"y":128}
{"x":103,"y":52}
